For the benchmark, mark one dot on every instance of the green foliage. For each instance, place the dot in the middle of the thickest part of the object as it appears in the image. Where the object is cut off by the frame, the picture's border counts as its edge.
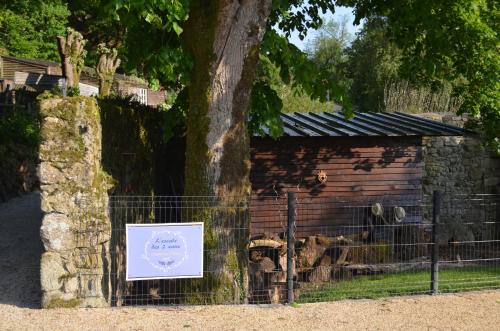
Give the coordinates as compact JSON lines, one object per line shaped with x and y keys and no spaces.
{"x":29,"y":28}
{"x":266,"y":104}
{"x":19,"y":126}
{"x":373,"y":62}
{"x":73,"y":91}
{"x":19,"y":140}
{"x":265,"y":110}
{"x":289,"y":78}
{"x":271,"y":96}
{"x":145,"y":33}
{"x":452,"y":40}
{"x":162,"y":59}
{"x":328,"y":50}
{"x":299,"y":15}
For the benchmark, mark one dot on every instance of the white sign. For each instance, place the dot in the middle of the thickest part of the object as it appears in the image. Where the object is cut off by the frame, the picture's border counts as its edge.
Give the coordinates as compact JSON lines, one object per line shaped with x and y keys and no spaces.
{"x":164,"y":251}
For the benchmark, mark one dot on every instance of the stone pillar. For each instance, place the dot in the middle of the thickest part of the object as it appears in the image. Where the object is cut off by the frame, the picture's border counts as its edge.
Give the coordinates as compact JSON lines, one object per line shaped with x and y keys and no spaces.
{"x":76,"y":228}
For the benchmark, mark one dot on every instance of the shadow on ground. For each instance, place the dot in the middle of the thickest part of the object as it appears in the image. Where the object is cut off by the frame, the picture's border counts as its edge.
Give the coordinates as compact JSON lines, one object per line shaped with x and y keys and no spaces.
{"x":20,"y":251}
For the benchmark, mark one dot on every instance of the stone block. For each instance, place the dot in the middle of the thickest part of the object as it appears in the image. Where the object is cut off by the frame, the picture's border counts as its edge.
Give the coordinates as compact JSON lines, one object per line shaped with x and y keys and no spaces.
{"x":52,"y":272}
{"x":87,"y":258}
{"x":56,"y":233}
{"x":70,"y":285}
{"x":49,"y":174}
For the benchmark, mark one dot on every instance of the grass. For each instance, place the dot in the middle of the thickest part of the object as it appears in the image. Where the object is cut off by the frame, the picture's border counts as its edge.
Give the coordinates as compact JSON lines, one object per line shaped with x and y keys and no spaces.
{"x":404,"y":283}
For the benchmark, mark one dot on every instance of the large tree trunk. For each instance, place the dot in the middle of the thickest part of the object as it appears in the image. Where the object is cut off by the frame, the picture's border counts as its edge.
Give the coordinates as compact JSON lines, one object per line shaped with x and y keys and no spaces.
{"x":224,"y":38}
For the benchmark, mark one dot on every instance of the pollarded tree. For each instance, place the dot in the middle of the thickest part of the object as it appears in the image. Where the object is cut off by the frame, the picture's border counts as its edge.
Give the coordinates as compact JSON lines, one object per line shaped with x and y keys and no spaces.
{"x":106,"y":68}
{"x":72,"y":53}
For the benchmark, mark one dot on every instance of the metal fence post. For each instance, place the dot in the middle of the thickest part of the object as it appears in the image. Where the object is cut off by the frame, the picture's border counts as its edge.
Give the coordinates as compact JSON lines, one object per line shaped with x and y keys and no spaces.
{"x":290,"y":245}
{"x":436,"y":208}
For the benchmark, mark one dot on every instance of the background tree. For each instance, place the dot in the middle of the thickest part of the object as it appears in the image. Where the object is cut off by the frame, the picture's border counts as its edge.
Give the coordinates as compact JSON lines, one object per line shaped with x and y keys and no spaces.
{"x":373,"y":62}
{"x":448,"y":41}
{"x":28,"y":27}
{"x":328,"y":50}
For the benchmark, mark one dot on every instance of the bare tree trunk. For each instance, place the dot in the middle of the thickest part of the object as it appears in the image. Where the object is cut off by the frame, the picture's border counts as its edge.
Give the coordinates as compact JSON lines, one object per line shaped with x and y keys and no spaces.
{"x":106,"y":68}
{"x":72,"y":53}
{"x":67,"y":67}
{"x":224,"y":38}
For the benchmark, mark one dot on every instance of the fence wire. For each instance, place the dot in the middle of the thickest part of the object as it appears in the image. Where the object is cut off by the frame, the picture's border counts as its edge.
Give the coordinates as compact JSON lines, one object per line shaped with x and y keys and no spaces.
{"x":342,"y":249}
{"x":227,"y":240}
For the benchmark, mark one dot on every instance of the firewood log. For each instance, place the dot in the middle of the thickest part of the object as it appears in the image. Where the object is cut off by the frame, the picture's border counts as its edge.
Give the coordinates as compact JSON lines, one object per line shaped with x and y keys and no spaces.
{"x":343,"y":256}
{"x":309,"y":252}
{"x":332,"y":241}
{"x":266,"y":243}
{"x":322,"y":271}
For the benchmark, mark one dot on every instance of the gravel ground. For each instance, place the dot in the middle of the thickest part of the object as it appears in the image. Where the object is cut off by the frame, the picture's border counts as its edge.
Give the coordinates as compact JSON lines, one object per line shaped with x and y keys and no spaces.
{"x":20,"y":251}
{"x":466,"y":311}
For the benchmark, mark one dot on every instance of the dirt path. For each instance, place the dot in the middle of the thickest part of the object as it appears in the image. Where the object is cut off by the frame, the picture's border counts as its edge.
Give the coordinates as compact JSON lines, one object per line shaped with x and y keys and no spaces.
{"x":20,"y":250}
{"x":466,"y":311}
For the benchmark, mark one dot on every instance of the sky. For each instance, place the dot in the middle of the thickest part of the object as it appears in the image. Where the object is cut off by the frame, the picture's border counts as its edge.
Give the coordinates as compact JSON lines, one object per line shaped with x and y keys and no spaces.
{"x":339,"y":12}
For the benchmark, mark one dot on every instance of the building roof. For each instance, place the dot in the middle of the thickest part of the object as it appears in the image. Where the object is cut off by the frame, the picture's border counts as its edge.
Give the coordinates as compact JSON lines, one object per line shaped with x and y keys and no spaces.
{"x":86,"y":71}
{"x":39,"y":63}
{"x":334,"y":124}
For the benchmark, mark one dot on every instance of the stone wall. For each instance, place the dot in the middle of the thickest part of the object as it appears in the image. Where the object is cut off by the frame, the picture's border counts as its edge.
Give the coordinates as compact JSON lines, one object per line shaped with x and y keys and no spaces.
{"x":76,"y":228}
{"x":459,"y":167}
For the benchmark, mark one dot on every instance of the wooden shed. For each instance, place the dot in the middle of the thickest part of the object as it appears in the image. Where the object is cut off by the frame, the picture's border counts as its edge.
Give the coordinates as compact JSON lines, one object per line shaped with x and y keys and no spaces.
{"x":323,"y":158}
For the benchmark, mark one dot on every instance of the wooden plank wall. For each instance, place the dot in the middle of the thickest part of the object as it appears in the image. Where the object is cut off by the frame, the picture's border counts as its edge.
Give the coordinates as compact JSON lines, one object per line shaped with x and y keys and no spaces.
{"x":360,"y":170}
{"x":10,"y":67}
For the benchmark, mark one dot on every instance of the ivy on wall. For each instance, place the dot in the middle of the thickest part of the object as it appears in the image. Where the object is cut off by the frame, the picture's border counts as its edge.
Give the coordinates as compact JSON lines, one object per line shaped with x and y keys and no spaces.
{"x":135,"y":145}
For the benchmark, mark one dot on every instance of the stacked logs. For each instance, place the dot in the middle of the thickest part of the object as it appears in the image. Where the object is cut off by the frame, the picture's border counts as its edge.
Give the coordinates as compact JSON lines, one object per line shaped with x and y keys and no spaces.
{"x":317,"y":258}
{"x":268,"y":269}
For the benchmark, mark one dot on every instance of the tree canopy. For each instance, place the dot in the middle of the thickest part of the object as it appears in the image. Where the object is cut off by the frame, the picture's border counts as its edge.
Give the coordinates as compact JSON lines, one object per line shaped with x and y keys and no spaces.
{"x":28,"y":28}
{"x":435,"y":42}
{"x":373,"y":61}
{"x":448,"y":41}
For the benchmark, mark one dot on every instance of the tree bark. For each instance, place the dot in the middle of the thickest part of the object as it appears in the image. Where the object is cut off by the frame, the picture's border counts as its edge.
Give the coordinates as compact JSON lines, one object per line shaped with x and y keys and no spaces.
{"x":72,"y":53}
{"x":106,"y":68}
{"x":67,"y":67}
{"x":224,"y":37}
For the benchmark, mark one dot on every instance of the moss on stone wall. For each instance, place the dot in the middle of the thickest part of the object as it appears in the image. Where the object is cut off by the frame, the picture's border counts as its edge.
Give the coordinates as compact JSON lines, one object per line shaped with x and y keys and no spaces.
{"x":61,"y":303}
{"x":74,"y":197}
{"x":132,"y":134}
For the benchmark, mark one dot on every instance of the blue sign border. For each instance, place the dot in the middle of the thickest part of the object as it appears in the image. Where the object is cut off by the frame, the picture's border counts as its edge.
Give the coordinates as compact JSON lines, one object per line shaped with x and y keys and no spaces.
{"x":166,"y":225}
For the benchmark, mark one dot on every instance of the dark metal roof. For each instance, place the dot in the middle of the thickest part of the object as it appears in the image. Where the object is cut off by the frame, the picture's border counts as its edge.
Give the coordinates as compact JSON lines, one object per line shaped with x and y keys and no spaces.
{"x":39,"y":63}
{"x":334,"y":124}
{"x":87,"y":71}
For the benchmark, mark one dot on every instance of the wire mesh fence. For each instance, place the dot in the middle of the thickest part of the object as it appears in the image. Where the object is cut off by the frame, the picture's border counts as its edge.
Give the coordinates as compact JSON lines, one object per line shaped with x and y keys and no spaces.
{"x":226,"y":239}
{"x":384,"y":247}
{"x":269,"y":250}
{"x":356,"y":248}
{"x":469,"y":242}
